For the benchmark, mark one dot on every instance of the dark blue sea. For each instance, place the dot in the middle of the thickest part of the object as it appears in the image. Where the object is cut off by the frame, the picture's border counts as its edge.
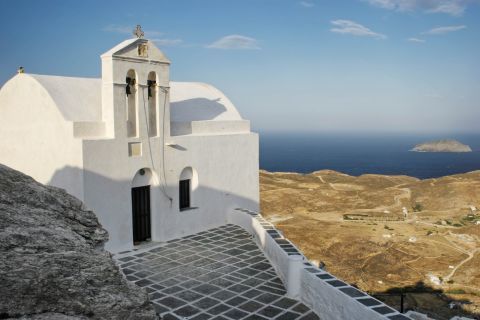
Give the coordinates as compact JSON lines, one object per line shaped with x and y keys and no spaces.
{"x":365,"y":153}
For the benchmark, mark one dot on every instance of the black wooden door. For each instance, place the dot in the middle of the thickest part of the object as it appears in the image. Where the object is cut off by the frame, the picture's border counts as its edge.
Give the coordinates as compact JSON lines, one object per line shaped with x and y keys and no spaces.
{"x":141,"y":214}
{"x":184,"y":194}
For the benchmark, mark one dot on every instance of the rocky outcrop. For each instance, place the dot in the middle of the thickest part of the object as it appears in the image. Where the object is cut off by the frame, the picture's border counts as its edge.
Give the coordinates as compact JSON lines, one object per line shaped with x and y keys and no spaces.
{"x":442,"y":146}
{"x":52,"y":261}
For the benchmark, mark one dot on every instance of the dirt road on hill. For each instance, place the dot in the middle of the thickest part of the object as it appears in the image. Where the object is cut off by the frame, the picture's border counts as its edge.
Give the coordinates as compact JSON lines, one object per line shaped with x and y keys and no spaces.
{"x":441,"y":239}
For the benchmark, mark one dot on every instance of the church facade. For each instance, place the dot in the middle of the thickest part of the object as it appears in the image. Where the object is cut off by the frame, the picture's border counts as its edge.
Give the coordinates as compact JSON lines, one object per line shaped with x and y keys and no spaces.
{"x":153,"y":158}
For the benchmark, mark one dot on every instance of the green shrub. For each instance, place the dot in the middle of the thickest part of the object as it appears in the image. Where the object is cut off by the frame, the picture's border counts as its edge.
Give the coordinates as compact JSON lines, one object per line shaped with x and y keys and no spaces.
{"x":456,"y":291}
{"x":417,"y":207}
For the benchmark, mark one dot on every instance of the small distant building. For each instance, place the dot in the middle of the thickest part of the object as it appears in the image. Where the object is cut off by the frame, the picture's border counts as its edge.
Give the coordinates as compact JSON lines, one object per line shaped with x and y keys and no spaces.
{"x":155,"y":159}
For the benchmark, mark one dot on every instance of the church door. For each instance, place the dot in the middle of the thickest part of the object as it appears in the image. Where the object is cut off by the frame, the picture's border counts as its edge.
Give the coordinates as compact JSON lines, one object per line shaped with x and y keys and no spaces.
{"x":141,"y":214}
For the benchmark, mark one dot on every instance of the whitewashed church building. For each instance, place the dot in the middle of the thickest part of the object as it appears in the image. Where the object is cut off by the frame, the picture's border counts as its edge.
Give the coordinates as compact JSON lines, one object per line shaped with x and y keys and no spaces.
{"x":155,"y":159}
{"x":175,"y":165}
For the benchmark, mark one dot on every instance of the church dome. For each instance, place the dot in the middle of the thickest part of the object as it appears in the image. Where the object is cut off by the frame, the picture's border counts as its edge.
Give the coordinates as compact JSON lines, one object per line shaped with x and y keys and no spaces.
{"x":195,"y":101}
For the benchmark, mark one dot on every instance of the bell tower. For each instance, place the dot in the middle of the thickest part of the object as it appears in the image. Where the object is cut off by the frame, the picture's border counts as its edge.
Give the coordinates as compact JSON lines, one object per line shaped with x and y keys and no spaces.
{"x":135,"y":89}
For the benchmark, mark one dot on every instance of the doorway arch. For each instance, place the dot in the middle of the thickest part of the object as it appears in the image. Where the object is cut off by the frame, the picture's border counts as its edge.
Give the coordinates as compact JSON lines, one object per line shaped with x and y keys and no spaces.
{"x":141,"y":206}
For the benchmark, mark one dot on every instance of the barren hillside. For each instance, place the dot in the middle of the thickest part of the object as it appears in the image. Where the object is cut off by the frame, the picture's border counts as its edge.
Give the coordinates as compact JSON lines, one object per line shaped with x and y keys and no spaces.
{"x":386,"y":232}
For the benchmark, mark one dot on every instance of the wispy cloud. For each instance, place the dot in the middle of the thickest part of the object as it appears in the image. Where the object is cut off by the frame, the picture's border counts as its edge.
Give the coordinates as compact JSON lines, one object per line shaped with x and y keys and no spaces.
{"x":454,"y":8}
{"x":451,"y":7}
{"x":355,"y":29}
{"x":129,"y":30}
{"x":168,"y":42}
{"x":443,"y":30}
{"x":417,"y":40}
{"x":118,"y":29}
{"x":307,"y":4}
{"x":235,"y":42}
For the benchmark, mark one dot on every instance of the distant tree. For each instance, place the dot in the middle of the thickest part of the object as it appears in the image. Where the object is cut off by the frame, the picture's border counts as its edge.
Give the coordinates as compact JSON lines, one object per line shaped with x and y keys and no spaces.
{"x":417,"y":207}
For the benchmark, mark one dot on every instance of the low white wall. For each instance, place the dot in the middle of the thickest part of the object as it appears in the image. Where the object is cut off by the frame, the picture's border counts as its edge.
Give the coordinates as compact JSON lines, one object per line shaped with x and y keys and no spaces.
{"x":329,"y":297}
{"x":210,"y":127}
{"x":88,"y":129}
{"x":274,"y":253}
{"x":288,"y":267}
{"x":332,"y":303}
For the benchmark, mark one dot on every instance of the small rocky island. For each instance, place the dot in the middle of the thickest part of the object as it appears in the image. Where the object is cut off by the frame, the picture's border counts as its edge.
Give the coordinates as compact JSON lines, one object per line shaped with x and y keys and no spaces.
{"x":447,"y":145}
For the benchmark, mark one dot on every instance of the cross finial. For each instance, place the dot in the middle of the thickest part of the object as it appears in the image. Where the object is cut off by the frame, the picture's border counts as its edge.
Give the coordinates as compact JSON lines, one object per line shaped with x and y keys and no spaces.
{"x":138,"y":32}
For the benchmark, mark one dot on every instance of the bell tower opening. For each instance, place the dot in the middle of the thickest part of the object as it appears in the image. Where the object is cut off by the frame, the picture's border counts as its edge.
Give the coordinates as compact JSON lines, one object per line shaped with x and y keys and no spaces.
{"x":152,"y":104}
{"x":131,"y":92}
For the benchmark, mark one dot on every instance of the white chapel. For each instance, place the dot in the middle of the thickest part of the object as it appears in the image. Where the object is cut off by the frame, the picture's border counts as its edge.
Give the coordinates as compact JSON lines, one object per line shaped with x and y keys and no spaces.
{"x":157,"y":161}
{"x":154,"y":159}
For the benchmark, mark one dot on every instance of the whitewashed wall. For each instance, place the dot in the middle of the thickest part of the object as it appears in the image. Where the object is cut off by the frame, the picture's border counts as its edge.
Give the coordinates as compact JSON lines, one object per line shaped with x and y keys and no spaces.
{"x":35,"y":137}
{"x":227,"y":168}
{"x":74,"y":136}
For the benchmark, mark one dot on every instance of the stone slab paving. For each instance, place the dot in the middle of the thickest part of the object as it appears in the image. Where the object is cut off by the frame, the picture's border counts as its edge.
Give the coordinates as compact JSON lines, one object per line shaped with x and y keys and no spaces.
{"x":216,"y":274}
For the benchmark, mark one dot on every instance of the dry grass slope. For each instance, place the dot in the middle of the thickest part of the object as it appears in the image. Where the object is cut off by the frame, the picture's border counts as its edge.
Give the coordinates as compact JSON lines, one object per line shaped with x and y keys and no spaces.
{"x":358,"y":227}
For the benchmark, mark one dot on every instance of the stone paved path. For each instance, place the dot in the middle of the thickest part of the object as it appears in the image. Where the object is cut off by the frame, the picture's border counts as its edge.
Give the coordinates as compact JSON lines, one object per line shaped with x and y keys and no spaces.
{"x":216,"y":274}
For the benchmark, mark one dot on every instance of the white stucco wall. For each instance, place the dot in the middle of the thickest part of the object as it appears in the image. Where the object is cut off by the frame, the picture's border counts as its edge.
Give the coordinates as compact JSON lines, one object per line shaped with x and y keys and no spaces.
{"x":77,"y":140}
{"x":333,"y":304}
{"x":227,"y":169}
{"x":36,"y":138}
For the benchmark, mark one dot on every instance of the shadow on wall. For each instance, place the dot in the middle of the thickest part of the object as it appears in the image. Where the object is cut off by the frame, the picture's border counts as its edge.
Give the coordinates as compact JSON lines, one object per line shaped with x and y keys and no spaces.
{"x":111,"y":194}
{"x":196,"y":110}
{"x":420,"y":297}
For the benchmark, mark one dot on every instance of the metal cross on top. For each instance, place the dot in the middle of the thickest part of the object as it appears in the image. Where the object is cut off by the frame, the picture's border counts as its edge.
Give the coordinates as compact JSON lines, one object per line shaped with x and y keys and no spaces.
{"x":138,"y":32}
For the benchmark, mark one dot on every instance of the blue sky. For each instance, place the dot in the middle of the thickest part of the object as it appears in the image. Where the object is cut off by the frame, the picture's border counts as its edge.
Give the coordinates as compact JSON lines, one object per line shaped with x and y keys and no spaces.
{"x":349,"y":66}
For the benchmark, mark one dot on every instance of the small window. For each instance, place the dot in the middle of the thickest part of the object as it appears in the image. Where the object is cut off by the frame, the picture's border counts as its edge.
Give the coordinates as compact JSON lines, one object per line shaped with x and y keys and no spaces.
{"x":184,"y":194}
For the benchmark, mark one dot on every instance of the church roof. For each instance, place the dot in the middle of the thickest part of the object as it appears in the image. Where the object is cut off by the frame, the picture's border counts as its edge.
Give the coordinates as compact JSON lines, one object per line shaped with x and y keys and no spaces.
{"x":80,"y":99}
{"x":129,"y":49}
{"x":194,"y":101}
{"x":120,"y":46}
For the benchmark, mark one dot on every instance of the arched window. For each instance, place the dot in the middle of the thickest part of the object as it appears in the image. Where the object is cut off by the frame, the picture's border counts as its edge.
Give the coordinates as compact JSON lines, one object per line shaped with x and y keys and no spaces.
{"x":131,"y":91}
{"x":152,"y":104}
{"x":187,"y":185}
